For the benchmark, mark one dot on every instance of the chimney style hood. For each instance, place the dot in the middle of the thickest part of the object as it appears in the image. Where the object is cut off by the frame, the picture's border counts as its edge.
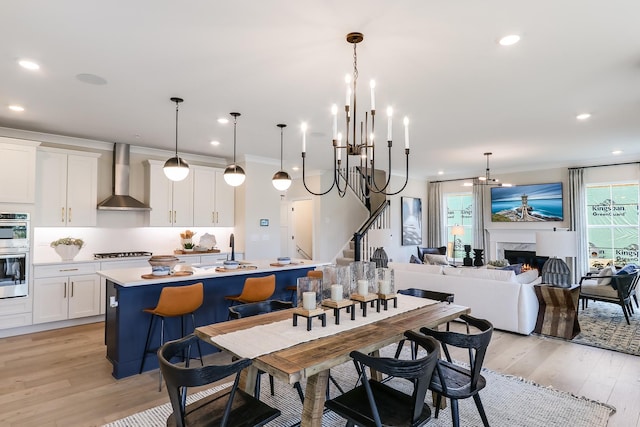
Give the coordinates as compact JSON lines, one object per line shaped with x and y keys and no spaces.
{"x":121,"y":200}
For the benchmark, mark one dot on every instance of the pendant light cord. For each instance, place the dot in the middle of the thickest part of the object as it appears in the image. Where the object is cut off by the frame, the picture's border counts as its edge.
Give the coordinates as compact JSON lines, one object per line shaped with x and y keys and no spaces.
{"x":177,"y":104}
{"x":235,"y":121}
{"x":281,"y":136}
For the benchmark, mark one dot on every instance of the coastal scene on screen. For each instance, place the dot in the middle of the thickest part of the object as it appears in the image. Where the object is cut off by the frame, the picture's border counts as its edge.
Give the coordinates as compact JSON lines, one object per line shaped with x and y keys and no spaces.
{"x":527,"y":203}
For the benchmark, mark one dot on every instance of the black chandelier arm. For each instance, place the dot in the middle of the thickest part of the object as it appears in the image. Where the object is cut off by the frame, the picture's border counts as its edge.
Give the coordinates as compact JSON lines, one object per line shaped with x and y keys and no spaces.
{"x":304,"y":182}
{"x":406,"y":178}
{"x":374,"y":187}
{"x":336,"y":174}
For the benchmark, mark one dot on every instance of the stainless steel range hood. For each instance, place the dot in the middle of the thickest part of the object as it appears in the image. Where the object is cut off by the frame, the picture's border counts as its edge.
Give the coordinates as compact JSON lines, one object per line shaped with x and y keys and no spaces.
{"x":121,"y":200}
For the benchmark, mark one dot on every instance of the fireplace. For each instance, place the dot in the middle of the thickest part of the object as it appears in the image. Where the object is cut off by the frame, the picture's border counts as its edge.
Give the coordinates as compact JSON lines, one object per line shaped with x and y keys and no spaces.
{"x":525,"y":257}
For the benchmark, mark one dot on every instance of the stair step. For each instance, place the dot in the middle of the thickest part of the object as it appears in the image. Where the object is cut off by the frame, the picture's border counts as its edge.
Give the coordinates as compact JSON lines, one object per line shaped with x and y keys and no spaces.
{"x":349,"y":253}
{"x":344,"y":261}
{"x":352,"y":244}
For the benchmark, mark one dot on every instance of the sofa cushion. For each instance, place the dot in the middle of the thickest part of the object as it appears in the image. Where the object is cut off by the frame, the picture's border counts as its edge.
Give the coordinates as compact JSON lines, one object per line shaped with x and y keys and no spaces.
{"x":516,"y":268}
{"x":528,"y":276}
{"x":607,"y":271}
{"x":598,"y":290}
{"x":418,"y":268}
{"x":415,"y":260}
{"x":499,"y":275}
{"x":433,"y":259}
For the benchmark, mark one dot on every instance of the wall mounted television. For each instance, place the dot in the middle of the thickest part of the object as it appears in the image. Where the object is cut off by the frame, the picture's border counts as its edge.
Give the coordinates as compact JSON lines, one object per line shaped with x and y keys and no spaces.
{"x":527,"y":203}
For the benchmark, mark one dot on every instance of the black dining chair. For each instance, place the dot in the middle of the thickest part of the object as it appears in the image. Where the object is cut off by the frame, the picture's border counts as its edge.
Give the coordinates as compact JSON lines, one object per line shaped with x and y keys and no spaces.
{"x":454,"y":381}
{"x":375,"y":403}
{"x":228,"y":407}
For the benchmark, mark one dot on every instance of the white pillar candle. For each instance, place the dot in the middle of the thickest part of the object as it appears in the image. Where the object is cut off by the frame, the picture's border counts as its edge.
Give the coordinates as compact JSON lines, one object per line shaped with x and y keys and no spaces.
{"x":384,"y":286}
{"x":303,"y":126}
{"x":363,"y":287}
{"x":334,"y":126}
{"x":347,"y":99}
{"x":389,"y":123}
{"x":309,"y":300}
{"x":372,"y":85}
{"x":406,"y":132}
{"x":336,"y":292}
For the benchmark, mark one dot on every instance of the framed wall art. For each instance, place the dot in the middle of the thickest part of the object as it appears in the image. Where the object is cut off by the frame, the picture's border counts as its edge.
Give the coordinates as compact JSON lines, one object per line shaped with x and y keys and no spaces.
{"x":411,"y":215}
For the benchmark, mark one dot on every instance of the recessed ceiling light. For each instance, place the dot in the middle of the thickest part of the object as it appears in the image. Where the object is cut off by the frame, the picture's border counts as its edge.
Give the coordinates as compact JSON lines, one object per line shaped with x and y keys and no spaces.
{"x":28,"y":64}
{"x":583,"y":116}
{"x":616,"y":152}
{"x":440,"y":172}
{"x":17,"y":108}
{"x":215,"y":143}
{"x":295,"y":168}
{"x":223,"y":121}
{"x":509,"y":40}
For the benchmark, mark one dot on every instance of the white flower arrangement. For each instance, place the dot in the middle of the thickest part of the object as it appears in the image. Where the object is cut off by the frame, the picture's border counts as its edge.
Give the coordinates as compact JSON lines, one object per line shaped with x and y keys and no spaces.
{"x":69,"y":241}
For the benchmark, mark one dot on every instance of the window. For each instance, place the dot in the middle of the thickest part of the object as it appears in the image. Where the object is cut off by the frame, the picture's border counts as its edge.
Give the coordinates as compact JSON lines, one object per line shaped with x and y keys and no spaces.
{"x":612,"y":224}
{"x":459,"y":208}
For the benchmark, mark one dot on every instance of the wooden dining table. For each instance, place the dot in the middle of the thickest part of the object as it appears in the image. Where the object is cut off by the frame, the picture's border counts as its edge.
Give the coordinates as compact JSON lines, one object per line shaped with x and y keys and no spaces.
{"x":313,"y":359}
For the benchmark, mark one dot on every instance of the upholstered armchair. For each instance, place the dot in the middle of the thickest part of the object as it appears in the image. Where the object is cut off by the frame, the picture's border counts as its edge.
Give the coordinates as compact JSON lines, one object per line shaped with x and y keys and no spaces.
{"x":614,"y":288}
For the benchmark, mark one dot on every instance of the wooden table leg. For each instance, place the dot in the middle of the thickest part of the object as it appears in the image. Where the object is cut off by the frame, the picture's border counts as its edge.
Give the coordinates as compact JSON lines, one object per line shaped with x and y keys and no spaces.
{"x":314,"y":398}
{"x":248,"y":378}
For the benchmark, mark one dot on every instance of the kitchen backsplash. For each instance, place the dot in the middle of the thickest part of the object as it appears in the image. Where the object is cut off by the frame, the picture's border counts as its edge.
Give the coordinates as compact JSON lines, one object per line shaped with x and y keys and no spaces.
{"x":159,"y":240}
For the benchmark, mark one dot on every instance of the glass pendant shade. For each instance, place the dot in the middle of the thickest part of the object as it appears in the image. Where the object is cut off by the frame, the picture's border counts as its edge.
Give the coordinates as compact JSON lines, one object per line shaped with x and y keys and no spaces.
{"x":281,"y":181}
{"x":234,"y":175}
{"x":176,"y":169}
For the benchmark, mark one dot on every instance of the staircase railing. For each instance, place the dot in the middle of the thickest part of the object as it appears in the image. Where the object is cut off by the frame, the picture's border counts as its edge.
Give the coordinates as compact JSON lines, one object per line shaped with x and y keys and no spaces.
{"x":302,"y":252}
{"x":379,"y":219}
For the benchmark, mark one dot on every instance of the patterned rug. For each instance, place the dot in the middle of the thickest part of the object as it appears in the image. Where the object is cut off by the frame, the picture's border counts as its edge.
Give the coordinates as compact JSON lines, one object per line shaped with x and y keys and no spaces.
{"x":508,"y":402}
{"x":603,"y":325}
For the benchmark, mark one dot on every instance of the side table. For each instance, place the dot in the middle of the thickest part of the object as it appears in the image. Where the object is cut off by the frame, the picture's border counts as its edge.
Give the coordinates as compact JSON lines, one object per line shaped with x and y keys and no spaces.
{"x":558,"y":312}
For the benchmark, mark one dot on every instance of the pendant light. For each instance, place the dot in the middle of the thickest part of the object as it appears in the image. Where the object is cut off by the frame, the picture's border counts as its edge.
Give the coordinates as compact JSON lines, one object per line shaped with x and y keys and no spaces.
{"x":281,"y":180}
{"x":176,"y":169}
{"x":234,"y":174}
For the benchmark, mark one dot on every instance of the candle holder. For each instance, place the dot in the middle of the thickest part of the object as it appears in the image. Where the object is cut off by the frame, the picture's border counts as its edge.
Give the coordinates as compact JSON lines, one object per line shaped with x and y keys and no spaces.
{"x":386,"y":288}
{"x":336,"y":285}
{"x":363,"y":284}
{"x":309,"y":297}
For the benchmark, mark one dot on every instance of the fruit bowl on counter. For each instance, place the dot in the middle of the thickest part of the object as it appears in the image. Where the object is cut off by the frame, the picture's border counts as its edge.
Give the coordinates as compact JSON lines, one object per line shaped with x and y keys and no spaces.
{"x":284,"y":260}
{"x":162,"y":265}
{"x":230,"y":264}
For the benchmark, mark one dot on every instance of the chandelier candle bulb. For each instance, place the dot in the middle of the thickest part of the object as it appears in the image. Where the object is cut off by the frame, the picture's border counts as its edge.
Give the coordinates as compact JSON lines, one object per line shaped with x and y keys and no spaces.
{"x":309,"y":300}
{"x":334,"y":113}
{"x":372,"y":84}
{"x":406,"y":132}
{"x":339,"y":151}
{"x":303,"y":126}
{"x":363,"y":287}
{"x":336,"y":292}
{"x":389,"y":122}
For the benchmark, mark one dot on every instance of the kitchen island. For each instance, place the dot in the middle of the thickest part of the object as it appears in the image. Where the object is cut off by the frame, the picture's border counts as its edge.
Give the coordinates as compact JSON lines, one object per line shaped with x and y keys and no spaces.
{"x":128,"y":293}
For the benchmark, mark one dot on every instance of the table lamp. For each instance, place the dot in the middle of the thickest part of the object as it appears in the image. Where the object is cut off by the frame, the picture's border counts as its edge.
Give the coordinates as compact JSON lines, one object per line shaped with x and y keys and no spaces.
{"x":556,"y":245}
{"x":456,"y":230}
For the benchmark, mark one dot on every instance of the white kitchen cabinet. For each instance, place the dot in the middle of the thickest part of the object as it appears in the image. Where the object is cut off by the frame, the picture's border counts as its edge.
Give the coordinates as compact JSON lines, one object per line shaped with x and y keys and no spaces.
{"x":18,"y":171}
{"x":65,"y":291}
{"x":213,"y":198}
{"x":67,"y":186}
{"x":171,"y":202}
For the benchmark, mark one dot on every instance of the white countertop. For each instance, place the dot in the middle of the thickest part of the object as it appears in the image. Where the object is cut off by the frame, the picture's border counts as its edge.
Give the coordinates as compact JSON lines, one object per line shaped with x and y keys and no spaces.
{"x":133,"y":276}
{"x":141,"y":258}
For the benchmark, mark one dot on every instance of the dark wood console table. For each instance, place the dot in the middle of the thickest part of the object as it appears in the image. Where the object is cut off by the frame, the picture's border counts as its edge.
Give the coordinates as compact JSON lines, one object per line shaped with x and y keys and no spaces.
{"x":558,"y":312}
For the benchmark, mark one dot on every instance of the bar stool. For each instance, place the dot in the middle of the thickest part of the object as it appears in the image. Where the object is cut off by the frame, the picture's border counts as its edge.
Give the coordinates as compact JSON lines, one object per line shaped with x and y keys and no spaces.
{"x":314,"y":274}
{"x":174,"y":301}
{"x":255,"y":289}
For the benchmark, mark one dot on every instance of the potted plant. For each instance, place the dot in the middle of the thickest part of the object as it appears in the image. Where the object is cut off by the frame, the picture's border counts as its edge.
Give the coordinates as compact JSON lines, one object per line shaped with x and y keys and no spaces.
{"x":187,"y":243}
{"x":67,"y":247}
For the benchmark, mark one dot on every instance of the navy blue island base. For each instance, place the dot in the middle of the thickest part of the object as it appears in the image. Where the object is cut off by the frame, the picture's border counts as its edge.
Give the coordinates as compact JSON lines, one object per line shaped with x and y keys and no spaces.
{"x":126,"y":324}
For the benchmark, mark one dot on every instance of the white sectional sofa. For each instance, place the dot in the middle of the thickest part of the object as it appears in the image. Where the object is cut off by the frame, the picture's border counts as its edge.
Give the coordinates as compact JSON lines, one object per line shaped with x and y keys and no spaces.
{"x":505,"y":299}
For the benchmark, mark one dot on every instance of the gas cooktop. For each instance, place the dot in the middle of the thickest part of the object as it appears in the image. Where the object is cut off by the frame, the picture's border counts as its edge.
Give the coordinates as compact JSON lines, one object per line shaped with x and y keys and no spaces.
{"x":121,"y":254}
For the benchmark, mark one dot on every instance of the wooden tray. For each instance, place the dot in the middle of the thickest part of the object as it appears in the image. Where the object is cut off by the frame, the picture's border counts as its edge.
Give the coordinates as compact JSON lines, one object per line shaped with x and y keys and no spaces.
{"x":241,"y":267}
{"x":183,"y":252}
{"x":276,"y":264}
{"x":175,"y":274}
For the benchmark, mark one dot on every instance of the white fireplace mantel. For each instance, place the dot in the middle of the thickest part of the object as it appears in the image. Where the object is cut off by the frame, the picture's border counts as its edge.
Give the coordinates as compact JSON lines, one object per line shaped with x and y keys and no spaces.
{"x":513,"y":239}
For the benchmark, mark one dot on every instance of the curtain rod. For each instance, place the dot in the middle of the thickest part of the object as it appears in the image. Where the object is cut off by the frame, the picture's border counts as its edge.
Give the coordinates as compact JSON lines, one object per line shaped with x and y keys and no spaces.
{"x":455,"y":179}
{"x":600,"y":166}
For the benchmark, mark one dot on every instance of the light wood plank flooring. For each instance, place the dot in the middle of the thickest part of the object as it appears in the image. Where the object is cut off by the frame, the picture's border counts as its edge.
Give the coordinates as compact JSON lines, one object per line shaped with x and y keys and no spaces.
{"x":62,"y":378}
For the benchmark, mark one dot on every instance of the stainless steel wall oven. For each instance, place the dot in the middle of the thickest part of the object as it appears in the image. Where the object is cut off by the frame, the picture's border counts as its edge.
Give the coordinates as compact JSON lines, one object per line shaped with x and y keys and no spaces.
{"x":14,"y":254}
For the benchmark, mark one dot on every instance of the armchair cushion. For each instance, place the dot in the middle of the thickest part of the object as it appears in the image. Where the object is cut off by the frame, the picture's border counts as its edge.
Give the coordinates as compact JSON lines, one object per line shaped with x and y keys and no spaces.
{"x":433,"y":259}
{"x":604,"y":276}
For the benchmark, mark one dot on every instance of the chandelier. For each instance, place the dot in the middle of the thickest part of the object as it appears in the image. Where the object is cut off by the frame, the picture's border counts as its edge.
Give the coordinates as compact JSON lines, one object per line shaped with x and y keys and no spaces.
{"x":486,"y":179}
{"x":362,"y":143}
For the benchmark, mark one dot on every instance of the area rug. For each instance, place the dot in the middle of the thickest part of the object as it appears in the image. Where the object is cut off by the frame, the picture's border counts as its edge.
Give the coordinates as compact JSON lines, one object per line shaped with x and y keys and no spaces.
{"x":508,"y":402}
{"x":603,"y":325}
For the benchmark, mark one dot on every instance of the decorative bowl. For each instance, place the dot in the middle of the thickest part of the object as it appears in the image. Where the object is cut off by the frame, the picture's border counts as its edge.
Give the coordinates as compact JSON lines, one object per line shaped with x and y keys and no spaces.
{"x":207,"y":241}
{"x":284,"y":260}
{"x":230,"y":265}
{"x":161,"y":265}
{"x":67,"y":252}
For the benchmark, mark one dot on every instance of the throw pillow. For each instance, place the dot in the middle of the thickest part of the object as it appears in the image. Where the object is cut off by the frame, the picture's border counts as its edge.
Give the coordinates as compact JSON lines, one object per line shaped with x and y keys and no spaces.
{"x":606,"y":274}
{"x":628,"y":269}
{"x":527,"y":276}
{"x":433,"y":259}
{"x":516,"y":268}
{"x":415,"y":260}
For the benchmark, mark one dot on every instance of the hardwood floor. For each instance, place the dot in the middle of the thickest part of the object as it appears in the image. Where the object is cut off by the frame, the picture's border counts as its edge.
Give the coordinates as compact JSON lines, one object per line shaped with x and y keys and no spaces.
{"x":62,"y":378}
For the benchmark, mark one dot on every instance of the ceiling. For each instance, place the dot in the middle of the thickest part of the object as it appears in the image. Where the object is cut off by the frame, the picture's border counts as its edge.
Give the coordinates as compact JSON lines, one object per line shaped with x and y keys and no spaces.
{"x":282,"y":61}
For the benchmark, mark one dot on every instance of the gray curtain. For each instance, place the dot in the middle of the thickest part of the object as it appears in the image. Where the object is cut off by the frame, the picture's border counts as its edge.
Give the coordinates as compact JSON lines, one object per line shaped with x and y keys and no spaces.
{"x":577,"y":209}
{"x":435,"y":229}
{"x":478,"y":216}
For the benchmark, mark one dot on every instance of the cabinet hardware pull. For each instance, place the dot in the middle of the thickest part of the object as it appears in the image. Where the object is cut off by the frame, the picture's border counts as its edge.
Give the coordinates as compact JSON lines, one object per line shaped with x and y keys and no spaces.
{"x":62,"y":214}
{"x":65,"y":290}
{"x":71,"y":289}
{"x":170,"y":219}
{"x":217,"y":220}
{"x":68,"y":269}
{"x":213,"y":217}
{"x":69,"y":214}
{"x":174,"y":217}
